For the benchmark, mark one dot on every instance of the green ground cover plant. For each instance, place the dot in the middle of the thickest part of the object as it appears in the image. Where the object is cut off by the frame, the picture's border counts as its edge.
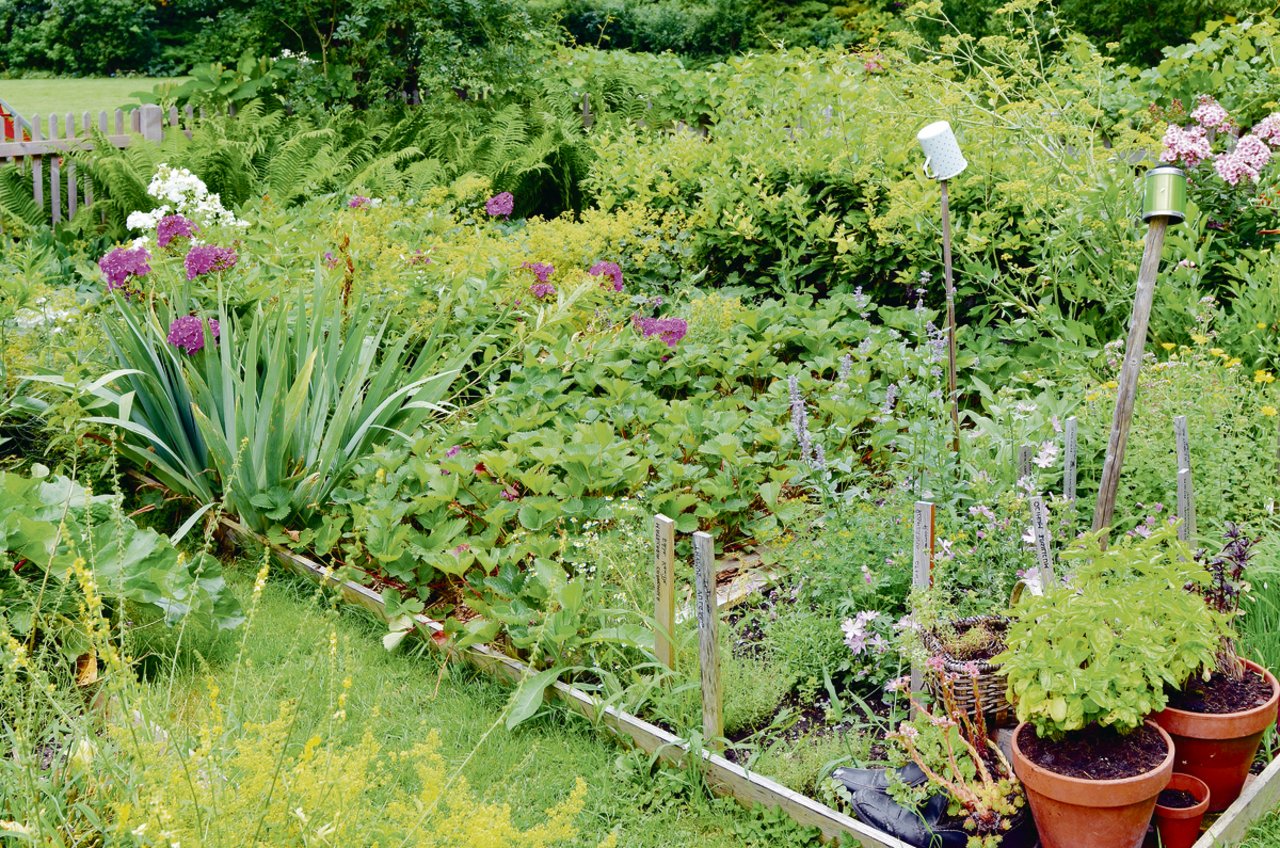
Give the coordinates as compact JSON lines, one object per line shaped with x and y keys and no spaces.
{"x":463,"y":352}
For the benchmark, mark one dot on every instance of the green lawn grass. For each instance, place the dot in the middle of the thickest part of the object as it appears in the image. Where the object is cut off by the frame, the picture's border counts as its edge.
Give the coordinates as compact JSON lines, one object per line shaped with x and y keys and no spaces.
{"x":401,"y":696}
{"x":80,"y":95}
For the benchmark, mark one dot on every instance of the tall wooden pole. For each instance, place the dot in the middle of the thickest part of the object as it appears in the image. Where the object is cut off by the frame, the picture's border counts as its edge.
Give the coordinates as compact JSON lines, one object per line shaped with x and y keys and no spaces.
{"x":951,"y":319}
{"x":1135,"y":345}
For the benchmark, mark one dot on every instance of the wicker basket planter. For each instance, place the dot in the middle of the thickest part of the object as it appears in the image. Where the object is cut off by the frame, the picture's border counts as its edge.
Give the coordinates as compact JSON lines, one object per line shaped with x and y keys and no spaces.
{"x":988,"y":684}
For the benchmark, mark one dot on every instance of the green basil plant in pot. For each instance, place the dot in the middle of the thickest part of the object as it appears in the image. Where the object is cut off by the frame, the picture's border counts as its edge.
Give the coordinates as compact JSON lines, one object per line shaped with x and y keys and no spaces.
{"x":1217,"y":722}
{"x":1086,"y":663}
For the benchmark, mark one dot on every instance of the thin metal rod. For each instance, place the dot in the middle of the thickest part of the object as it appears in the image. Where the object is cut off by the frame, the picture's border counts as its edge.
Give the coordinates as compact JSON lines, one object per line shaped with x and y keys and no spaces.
{"x":952,"y":395}
{"x":1128,"y":389}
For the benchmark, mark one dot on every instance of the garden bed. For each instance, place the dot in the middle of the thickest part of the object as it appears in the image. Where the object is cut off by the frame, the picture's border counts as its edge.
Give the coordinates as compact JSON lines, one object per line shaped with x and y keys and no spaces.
{"x":723,"y":775}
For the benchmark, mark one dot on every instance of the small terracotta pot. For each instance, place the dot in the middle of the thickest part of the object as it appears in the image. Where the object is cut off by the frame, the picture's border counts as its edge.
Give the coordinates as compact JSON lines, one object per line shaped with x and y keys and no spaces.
{"x":1179,"y":827}
{"x":1219,"y":748}
{"x":1071,"y":812}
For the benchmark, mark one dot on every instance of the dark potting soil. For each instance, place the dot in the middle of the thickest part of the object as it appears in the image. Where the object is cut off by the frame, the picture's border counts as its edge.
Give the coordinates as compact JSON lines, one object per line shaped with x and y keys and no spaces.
{"x":1177,"y":799}
{"x":1220,"y":694}
{"x":1096,"y":753}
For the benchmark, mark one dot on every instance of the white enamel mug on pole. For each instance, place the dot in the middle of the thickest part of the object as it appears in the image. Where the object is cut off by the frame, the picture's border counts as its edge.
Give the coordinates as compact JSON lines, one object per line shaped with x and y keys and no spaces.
{"x":942,"y":157}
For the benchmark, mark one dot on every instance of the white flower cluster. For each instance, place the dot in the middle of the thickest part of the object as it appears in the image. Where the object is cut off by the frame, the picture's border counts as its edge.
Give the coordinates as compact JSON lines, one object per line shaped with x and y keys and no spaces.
{"x":181,"y":192}
{"x":298,"y":56}
{"x":45,"y":315}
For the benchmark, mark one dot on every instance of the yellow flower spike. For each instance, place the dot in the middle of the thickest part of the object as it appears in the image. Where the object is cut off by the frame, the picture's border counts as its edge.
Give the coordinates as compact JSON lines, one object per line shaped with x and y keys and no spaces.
{"x":1269,"y":411}
{"x":1262,"y":376}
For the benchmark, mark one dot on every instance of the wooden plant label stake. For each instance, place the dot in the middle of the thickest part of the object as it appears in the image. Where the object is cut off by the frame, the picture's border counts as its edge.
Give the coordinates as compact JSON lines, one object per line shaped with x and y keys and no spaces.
{"x":664,"y":578}
{"x":1186,"y":507}
{"x":1069,"y":460}
{"x":1183,"y":441}
{"x":1040,"y":530}
{"x":704,"y":571}
{"x":921,"y":567}
{"x":1024,"y":463}
{"x":922,"y":546}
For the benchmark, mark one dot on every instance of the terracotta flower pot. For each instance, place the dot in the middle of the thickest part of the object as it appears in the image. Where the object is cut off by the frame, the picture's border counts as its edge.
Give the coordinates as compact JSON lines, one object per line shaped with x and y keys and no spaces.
{"x":1071,"y":812}
{"x":1219,"y":748}
{"x":1179,"y":827}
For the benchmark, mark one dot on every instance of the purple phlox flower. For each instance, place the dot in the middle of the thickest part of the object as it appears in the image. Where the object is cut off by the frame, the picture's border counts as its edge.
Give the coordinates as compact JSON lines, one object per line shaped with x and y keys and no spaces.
{"x":1187,"y":147}
{"x":174,"y":226}
{"x":358,"y":202}
{"x":124,"y":263}
{"x":501,"y":205}
{"x":1249,"y":157}
{"x":670,"y":330}
{"x":542,"y":290}
{"x":453,"y":451}
{"x":187,"y":333}
{"x":541,"y":270}
{"x":206,"y":258}
{"x":1210,"y":114}
{"x":610,"y":270}
{"x":1268,"y":129}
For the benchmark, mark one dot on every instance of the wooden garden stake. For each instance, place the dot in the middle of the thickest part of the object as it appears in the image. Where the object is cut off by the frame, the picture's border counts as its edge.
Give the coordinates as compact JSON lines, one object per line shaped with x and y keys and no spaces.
{"x":1024,"y":463}
{"x":1069,"y":472}
{"x":1040,"y":532}
{"x":1183,"y":440}
{"x":1164,"y":203}
{"x":942,"y":161}
{"x":921,"y":567}
{"x":1186,"y":507}
{"x":664,"y":578}
{"x":704,"y":571}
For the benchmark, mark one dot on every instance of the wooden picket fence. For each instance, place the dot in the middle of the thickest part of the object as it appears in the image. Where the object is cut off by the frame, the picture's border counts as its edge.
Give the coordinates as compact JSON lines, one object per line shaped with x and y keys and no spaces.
{"x":38,"y":141}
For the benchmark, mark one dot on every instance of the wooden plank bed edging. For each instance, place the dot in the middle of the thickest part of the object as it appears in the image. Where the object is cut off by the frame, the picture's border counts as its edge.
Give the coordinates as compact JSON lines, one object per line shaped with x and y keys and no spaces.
{"x":1258,"y":797}
{"x":723,"y":776}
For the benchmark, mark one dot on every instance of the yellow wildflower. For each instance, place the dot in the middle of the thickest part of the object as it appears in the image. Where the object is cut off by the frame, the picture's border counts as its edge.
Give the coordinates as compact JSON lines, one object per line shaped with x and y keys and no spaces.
{"x":1200,"y":338}
{"x":1262,"y":325}
{"x":1233,"y":362}
{"x":1168,"y":345}
{"x":1269,"y":411}
{"x":1262,"y":376}
{"x":1217,"y":351}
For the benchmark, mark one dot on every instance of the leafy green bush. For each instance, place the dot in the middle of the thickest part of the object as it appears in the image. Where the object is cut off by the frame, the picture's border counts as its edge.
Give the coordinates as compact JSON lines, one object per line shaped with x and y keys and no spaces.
{"x":1102,"y":649}
{"x":64,"y":549}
